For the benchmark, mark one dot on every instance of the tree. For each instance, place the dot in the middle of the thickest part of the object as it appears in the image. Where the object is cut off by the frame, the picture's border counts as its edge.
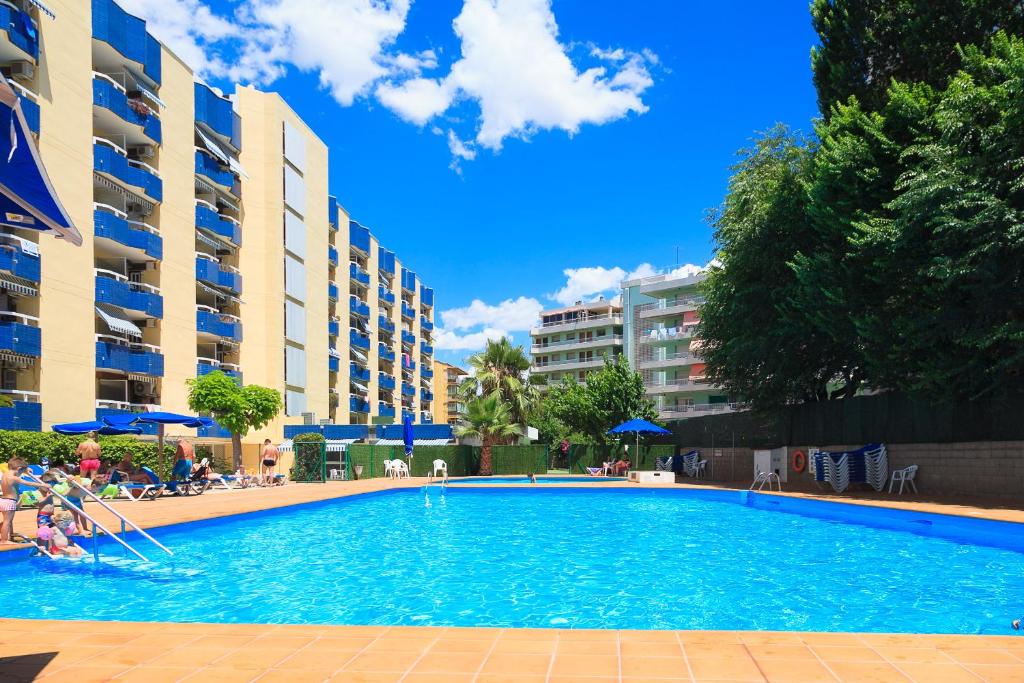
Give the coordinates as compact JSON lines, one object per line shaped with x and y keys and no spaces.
{"x":236,"y":408}
{"x":502,"y":368}
{"x":489,"y":419}
{"x":611,"y":396}
{"x":866,"y":45}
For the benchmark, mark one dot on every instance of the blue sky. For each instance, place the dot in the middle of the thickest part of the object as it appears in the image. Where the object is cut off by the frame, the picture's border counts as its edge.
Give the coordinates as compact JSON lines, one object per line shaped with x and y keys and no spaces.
{"x":489,"y":153}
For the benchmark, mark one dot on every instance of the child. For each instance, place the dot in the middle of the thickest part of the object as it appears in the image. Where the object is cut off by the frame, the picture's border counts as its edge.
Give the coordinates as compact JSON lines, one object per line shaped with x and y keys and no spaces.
{"x":9,"y":482}
{"x":44,"y":515}
{"x":64,"y":524}
{"x":77,"y":506}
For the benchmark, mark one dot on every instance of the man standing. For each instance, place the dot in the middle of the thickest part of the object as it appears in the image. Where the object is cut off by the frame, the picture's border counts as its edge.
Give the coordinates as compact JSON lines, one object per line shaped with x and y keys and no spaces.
{"x":183,"y":457}
{"x":269,"y":457}
{"x":88,"y":453}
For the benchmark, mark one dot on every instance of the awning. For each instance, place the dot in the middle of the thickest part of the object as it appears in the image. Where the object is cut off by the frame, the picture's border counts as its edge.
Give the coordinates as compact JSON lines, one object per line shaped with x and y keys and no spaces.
{"x":133,"y":197}
{"x":18,"y":285}
{"x":359,"y":384}
{"x":27,"y":197}
{"x":208,"y":241}
{"x":221,"y":153}
{"x":416,"y":442}
{"x":333,"y":445}
{"x":43,"y":8}
{"x":17,"y":360}
{"x":118,"y":324}
{"x":333,"y":352}
{"x":358,"y":354}
{"x":144,"y":87}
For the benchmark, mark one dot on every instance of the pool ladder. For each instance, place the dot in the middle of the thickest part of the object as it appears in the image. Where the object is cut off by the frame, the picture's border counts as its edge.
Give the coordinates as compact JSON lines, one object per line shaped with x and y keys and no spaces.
{"x":443,"y":486}
{"x":763,"y":478}
{"x":125,"y":522}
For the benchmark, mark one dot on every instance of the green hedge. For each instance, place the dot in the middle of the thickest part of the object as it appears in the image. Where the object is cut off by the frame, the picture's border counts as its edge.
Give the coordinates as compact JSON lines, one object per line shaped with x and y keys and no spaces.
{"x":519,"y":459}
{"x":34,"y":446}
{"x":582,"y":456}
{"x":462,"y":460}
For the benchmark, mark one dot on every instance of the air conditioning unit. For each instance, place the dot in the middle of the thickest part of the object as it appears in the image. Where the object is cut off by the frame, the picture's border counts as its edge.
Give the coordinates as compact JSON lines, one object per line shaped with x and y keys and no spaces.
{"x":142,"y":151}
{"x":309,"y":418}
{"x":144,"y":389}
{"x":22,"y":70}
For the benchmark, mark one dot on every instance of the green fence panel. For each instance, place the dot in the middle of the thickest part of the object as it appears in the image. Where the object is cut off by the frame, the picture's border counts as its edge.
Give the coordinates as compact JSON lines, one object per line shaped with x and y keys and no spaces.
{"x":519,"y":459}
{"x":462,"y":461}
{"x":582,"y":456}
{"x":310,"y":462}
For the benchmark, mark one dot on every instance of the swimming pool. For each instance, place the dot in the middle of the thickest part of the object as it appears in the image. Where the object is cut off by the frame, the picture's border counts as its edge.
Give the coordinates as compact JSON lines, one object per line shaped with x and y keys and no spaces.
{"x":541,"y":479}
{"x":550,"y":557}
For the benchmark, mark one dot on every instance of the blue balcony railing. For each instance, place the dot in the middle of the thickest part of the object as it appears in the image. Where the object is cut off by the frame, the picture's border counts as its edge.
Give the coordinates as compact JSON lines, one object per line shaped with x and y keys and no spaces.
{"x":206,"y":369}
{"x":22,"y":416}
{"x":333,"y":328}
{"x":119,"y":230}
{"x":332,"y":291}
{"x":408,"y":414}
{"x":211,"y":273}
{"x":332,"y":255}
{"x":148,"y":428}
{"x":426,"y":395}
{"x":209,"y":167}
{"x":211,"y":323}
{"x":384,"y":353}
{"x":208,"y":219}
{"x":107,"y":160}
{"x":107,"y":95}
{"x":21,"y":30}
{"x":358,"y":372}
{"x":408,"y":389}
{"x":426,"y":373}
{"x":126,"y":359}
{"x":359,"y":340}
{"x":333,"y":364}
{"x":358,"y":405}
{"x":359,"y":237}
{"x":358,"y":308}
{"x":408,"y":280}
{"x":385,"y":410}
{"x":30,"y":109}
{"x":385,"y":325}
{"x":426,"y":349}
{"x":385,"y":296}
{"x":408,"y":363}
{"x":214,"y":431}
{"x":426,"y":324}
{"x":385,"y":381}
{"x":16,"y":262}
{"x":332,"y":212}
{"x":358,"y":275}
{"x":126,"y":34}
{"x":19,"y":338}
{"x":127,"y":296}
{"x":426,"y":296}
{"x":217,"y":113}
{"x":408,"y":337}
{"x":408,"y":311}
{"x":386,"y":261}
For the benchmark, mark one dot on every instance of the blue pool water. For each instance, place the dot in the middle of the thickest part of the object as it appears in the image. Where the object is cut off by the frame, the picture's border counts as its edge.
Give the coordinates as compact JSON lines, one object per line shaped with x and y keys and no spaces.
{"x":541,"y":479}
{"x":549,"y":557}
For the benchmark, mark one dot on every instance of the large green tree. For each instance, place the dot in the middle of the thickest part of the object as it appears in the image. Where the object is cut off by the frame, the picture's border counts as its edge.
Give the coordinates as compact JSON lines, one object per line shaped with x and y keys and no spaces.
{"x":236,"y":408}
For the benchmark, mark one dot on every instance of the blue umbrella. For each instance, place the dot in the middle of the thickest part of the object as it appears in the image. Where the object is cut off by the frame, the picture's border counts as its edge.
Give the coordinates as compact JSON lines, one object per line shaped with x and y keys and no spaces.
{"x":638,"y":426}
{"x":77,"y":428}
{"x":407,"y":437}
{"x":161,"y":419}
{"x":27,"y":198}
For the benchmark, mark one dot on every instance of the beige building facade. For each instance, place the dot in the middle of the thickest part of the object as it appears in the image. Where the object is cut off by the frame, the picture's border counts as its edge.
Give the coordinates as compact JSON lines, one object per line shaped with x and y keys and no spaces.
{"x":449,"y":404}
{"x":572,"y":341}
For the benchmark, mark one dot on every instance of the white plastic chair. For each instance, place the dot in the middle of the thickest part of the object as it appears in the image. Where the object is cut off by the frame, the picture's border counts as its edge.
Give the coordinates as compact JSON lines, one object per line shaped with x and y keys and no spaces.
{"x":399,"y":469}
{"x":334,"y":474}
{"x":904,"y":476}
{"x":442,"y":467}
{"x":389,"y":468}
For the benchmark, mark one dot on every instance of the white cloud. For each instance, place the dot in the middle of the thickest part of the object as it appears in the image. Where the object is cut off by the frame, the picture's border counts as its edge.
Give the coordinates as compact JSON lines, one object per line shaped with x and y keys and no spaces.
{"x":581,"y":283}
{"x":643,"y":270}
{"x":511,"y":315}
{"x":446,"y":340}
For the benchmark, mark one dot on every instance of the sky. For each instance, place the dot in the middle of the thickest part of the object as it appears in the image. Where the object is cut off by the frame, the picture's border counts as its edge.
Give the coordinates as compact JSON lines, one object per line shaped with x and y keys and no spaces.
{"x":517,"y":154}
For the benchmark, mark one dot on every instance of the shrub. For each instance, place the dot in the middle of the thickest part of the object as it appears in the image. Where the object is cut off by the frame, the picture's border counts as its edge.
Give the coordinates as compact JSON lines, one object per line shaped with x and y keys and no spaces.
{"x":309,"y":457}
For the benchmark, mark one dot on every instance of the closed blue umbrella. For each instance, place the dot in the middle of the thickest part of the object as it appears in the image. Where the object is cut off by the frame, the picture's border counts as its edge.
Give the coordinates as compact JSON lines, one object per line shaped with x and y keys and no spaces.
{"x":407,"y":437}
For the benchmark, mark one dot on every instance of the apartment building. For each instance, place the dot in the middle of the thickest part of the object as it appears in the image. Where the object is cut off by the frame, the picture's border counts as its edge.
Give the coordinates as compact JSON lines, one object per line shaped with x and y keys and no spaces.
{"x":211,"y":241}
{"x":572,"y":341}
{"x":450,"y":406}
{"x":661,"y":320}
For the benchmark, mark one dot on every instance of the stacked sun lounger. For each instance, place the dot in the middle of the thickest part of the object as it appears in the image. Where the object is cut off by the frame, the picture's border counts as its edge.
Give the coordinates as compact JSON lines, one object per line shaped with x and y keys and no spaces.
{"x":867,"y":465}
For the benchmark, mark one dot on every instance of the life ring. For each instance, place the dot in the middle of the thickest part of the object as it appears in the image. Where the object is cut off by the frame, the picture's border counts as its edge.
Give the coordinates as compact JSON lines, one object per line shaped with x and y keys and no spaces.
{"x":799,"y":461}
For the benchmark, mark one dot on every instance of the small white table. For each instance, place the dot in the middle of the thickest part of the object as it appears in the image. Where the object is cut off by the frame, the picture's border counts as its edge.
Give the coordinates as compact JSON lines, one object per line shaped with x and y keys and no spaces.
{"x":652,"y":477}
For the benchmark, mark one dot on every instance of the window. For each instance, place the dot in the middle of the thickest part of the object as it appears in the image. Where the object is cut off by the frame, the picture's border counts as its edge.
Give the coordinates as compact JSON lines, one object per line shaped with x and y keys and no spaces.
{"x":294,"y":191}
{"x":294,"y":147}
{"x":294,"y":278}
{"x":294,"y":402}
{"x":295,"y":324}
{"x":294,"y":234}
{"x":295,"y":366}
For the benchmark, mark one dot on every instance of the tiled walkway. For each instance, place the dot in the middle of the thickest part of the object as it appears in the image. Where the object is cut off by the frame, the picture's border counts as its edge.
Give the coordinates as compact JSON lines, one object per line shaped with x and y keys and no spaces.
{"x":83,"y":651}
{"x":89,"y":651}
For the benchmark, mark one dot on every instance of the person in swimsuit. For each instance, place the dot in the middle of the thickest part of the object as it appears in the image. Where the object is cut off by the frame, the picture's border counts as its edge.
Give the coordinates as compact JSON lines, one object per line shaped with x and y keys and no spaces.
{"x":88,"y":453}
{"x":184,"y":455}
{"x":269,"y":458}
{"x":9,"y":482}
{"x":75,"y":504}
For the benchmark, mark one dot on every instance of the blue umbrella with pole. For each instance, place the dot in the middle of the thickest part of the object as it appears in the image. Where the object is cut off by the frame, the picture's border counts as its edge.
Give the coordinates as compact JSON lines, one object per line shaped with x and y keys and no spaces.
{"x":407,"y":437}
{"x":102,"y":428}
{"x":160,"y":419}
{"x":638,"y":427}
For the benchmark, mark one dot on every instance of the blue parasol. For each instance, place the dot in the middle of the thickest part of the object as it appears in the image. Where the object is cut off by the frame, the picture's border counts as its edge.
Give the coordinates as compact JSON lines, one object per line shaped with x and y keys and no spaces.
{"x":638,"y":427}
{"x":407,"y":437}
{"x":77,"y":428}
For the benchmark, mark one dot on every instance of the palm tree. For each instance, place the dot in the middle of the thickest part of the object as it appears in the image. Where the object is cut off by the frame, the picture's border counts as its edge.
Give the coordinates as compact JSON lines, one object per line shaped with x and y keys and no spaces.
{"x":502,"y":368}
{"x":487,"y":417}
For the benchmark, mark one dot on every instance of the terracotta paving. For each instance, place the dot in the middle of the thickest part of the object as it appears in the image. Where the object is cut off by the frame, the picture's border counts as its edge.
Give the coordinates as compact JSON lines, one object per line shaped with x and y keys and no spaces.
{"x":84,"y":651}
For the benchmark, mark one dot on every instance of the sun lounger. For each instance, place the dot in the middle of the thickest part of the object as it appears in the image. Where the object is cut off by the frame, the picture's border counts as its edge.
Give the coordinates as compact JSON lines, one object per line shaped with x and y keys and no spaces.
{"x":595,"y":471}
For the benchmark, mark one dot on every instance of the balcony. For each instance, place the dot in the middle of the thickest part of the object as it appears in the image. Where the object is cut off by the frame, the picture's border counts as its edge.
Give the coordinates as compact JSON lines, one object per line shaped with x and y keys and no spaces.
{"x":385,"y":325}
{"x":208,"y":365}
{"x":22,"y":416}
{"x":677,"y":412}
{"x":358,"y":405}
{"x":212,"y":273}
{"x":333,"y":364}
{"x":112,"y":161}
{"x":134,"y":297}
{"x":223,"y":226}
{"x":408,"y":281}
{"x":112,"y":224}
{"x":670,"y":360}
{"x":358,"y":275}
{"x":408,"y":389}
{"x":332,"y":212}
{"x":359,"y":238}
{"x":385,"y":297}
{"x":211,"y":169}
{"x":671,"y":306}
{"x":569,"y":364}
{"x":408,"y":363}
{"x":426,"y":296}
{"x":385,"y":381}
{"x":358,"y":372}
{"x":426,"y":395}
{"x":426,"y":349}
{"x":333,"y":328}
{"x":581,"y":322}
{"x":115,"y":113}
{"x":425,"y":324}
{"x":386,"y":262}
{"x":217,"y":114}
{"x":332,"y":291}
{"x":408,"y":338}
{"x":126,"y":35}
{"x":578,"y":343}
{"x":408,"y":312}
{"x":134,"y":358}
{"x":358,"y":340}
{"x":220,"y":325}
{"x":426,"y":373}
{"x":384,"y":353}
{"x":22,"y":35}
{"x":408,"y":414}
{"x":332,"y":256}
{"x":675,"y":385}
{"x":358,"y":308}
{"x":15,"y":260}
{"x":106,"y":408}
{"x":385,"y":410}
{"x":20,"y":338}
{"x":668,"y":334}
{"x":426,"y":418}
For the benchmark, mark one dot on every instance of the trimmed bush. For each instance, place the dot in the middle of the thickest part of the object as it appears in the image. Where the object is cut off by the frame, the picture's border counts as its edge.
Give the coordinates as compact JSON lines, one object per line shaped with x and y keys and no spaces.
{"x":519,"y":459}
{"x":310,"y":450}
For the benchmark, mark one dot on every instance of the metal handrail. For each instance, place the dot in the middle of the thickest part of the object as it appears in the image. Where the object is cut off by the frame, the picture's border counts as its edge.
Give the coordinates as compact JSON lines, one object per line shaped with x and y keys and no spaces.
{"x":26,"y":319}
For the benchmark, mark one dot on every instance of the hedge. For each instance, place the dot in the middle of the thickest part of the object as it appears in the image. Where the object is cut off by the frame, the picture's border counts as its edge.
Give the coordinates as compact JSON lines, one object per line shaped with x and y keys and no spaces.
{"x":582,"y":456}
{"x":519,"y":459}
{"x":462,"y":460}
{"x":60,"y":449}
